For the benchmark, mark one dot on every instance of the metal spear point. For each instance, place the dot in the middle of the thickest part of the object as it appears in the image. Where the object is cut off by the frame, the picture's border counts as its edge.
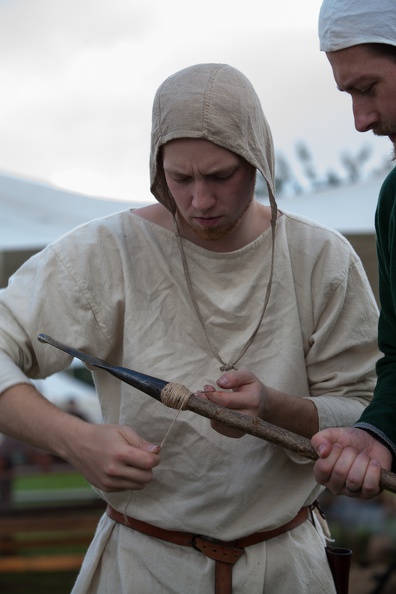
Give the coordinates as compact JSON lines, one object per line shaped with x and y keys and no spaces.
{"x":164,"y":392}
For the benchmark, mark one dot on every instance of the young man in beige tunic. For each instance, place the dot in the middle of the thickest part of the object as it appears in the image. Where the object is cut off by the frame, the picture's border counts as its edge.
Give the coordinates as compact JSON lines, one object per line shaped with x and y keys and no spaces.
{"x":270,"y":313}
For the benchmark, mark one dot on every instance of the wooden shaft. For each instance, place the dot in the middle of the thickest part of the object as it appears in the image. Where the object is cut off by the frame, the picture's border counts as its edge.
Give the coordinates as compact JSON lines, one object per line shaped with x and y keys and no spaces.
{"x":164,"y":392}
{"x":258,"y":428}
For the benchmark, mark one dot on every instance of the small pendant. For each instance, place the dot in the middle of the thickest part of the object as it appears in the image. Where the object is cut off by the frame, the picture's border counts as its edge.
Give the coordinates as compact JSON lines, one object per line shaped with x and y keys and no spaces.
{"x":228,"y":367}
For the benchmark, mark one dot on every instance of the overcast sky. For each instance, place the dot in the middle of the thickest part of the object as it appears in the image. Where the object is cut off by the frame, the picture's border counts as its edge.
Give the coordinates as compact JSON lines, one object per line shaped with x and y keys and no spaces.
{"x":78,"y":79}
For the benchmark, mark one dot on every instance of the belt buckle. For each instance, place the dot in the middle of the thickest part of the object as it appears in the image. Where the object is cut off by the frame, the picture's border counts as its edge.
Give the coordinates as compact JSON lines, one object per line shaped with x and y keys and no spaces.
{"x":209,"y":539}
{"x":216,"y":549}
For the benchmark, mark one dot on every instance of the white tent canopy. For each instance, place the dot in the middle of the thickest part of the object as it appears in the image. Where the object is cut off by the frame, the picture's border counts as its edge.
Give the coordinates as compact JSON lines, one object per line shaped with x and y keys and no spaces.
{"x":33,"y":214}
{"x":349,"y":209}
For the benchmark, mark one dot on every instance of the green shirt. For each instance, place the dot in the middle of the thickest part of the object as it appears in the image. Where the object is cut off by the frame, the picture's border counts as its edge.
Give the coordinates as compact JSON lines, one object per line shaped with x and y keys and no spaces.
{"x":379,"y":418}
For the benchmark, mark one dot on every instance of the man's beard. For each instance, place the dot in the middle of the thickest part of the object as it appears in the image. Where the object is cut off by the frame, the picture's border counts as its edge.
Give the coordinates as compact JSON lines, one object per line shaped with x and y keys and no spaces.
{"x":386,"y":130}
{"x":220,"y":232}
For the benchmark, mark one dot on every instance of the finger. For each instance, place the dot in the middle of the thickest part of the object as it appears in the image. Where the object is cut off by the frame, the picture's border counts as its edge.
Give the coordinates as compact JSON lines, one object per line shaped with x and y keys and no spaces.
{"x":229,"y":400}
{"x":324,"y":467}
{"x":233,"y":379}
{"x":356,"y":473}
{"x":141,"y":458}
{"x":324,"y":440}
{"x":203,"y":393}
{"x":321,"y":446}
{"x":364,"y":478}
{"x":131,"y":470}
{"x":340,"y":476}
{"x":371,"y":485}
{"x":126,"y":478}
{"x":152,"y":448}
{"x":135,"y":441}
{"x":137,"y":476}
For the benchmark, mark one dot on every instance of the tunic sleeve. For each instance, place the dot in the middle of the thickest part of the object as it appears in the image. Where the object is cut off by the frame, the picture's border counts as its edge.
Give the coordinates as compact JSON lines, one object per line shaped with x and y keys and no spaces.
{"x":343,"y":349}
{"x":65,"y":291}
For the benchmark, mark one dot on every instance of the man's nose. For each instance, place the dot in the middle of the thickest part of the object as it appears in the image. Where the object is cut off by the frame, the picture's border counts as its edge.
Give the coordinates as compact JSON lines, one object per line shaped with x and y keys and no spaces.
{"x":365,"y":115}
{"x":202,"y":198}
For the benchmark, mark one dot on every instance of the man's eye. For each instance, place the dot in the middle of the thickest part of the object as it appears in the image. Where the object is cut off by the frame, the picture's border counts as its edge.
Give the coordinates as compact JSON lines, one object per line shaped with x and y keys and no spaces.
{"x":221,"y":176}
{"x":181,"y":180}
{"x":367,"y":90}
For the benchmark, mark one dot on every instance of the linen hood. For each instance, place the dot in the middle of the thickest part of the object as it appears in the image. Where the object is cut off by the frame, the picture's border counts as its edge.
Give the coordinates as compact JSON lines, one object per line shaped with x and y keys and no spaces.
{"x":344,"y":23}
{"x":217,"y":103}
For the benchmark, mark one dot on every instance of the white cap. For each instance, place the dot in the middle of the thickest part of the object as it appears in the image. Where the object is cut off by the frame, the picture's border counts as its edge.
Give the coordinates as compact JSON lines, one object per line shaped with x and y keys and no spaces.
{"x":343,"y":23}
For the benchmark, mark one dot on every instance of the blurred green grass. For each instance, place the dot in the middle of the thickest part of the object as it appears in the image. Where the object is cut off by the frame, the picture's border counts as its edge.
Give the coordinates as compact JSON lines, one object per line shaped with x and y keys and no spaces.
{"x":51,"y":480}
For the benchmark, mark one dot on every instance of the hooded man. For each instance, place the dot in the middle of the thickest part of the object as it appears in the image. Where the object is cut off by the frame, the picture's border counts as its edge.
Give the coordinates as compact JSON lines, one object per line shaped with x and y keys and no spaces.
{"x":359,"y":38}
{"x":206,"y":287}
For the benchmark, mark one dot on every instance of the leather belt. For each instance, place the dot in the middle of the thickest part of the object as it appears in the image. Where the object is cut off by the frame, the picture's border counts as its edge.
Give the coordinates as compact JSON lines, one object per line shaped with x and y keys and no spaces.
{"x":224,"y":553}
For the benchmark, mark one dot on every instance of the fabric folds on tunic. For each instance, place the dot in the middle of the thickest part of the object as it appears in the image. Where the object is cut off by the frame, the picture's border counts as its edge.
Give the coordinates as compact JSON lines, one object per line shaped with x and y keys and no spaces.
{"x":95,"y":291}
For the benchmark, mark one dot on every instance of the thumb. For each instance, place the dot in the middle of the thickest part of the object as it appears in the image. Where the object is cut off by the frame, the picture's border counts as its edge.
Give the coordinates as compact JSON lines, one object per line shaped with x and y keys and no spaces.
{"x":228,"y":381}
{"x":151,"y":447}
{"x":138,"y":442}
{"x":321,"y":445}
{"x":235,"y":379}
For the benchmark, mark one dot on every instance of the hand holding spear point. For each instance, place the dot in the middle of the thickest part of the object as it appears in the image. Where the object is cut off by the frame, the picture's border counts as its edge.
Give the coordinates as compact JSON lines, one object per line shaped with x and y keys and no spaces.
{"x":177,"y":396}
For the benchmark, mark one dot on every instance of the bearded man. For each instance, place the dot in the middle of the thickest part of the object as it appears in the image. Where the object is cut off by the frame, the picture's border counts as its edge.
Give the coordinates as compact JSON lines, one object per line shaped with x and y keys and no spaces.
{"x":359,"y":38}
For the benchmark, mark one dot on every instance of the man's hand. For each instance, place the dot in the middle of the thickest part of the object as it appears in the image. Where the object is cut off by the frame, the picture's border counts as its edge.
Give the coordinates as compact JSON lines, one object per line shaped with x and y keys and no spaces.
{"x":113,"y":457}
{"x":350,"y":461}
{"x":249,"y":396}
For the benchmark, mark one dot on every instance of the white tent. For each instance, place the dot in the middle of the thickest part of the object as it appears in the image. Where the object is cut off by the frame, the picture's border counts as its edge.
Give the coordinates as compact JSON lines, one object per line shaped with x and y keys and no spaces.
{"x":349,"y":209}
{"x":33,"y":214}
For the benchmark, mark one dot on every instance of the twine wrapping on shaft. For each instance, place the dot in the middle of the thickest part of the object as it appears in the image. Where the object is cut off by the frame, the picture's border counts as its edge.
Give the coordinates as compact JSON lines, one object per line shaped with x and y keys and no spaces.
{"x":174,"y":396}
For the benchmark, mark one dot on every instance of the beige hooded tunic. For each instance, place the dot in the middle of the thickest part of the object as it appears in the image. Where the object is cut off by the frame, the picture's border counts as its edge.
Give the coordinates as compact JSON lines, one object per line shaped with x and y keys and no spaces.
{"x":115,"y":288}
